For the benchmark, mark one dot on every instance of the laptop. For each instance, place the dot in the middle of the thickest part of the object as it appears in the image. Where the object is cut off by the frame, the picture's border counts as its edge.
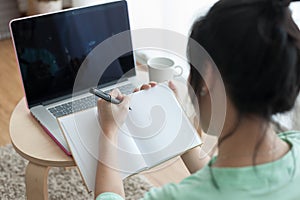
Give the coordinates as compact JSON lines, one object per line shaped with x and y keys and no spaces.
{"x":50,"y":49}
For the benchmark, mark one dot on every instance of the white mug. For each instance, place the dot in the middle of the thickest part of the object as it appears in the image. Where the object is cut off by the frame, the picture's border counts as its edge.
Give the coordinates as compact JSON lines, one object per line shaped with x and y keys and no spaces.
{"x":162,"y":69}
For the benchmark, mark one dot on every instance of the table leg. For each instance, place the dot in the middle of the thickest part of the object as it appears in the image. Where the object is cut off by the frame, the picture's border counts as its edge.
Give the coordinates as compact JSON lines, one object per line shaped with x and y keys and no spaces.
{"x":36,"y":182}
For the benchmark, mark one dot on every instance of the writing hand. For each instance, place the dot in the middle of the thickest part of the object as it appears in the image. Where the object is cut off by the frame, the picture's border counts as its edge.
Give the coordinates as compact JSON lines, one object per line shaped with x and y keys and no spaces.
{"x":112,"y":116}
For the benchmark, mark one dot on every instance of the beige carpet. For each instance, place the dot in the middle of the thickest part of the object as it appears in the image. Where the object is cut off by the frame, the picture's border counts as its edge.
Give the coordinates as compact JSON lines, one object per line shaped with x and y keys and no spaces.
{"x":62,"y":184}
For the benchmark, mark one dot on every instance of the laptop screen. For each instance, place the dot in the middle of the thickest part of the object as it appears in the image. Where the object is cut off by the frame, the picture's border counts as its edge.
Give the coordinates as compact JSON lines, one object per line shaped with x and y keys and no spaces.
{"x":51,"y":48}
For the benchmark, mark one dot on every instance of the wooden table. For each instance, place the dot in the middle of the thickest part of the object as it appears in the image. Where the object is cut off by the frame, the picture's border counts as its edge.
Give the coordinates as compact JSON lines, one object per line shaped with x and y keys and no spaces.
{"x":32,"y":143}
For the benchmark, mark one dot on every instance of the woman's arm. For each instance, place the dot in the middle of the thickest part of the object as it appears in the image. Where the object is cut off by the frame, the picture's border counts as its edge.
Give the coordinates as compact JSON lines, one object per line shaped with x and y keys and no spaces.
{"x":198,"y":157}
{"x":111,"y":117}
{"x":108,"y":179}
{"x":195,"y":159}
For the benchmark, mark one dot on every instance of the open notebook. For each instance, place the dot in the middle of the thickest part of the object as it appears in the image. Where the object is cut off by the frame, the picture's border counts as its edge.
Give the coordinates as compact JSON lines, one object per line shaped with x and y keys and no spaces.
{"x":155,"y":131}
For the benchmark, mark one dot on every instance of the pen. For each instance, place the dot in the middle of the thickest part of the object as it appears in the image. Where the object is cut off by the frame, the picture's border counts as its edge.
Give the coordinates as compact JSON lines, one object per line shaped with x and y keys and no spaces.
{"x":105,"y":96}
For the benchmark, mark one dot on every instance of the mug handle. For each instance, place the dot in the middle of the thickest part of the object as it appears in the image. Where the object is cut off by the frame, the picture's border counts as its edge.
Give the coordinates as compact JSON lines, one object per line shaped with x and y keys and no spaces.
{"x":181,"y":71}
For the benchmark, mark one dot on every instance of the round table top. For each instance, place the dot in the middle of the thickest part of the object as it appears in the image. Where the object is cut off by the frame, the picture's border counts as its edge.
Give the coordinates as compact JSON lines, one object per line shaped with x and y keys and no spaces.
{"x":32,"y":142}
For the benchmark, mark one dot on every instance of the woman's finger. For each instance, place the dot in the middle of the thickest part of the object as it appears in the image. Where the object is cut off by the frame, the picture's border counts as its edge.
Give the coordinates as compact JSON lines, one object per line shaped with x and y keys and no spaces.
{"x":136,"y":90}
{"x":126,"y":102}
{"x":116,"y":93}
{"x":145,"y":87}
{"x":173,"y":87}
{"x":99,"y":102}
{"x":153,"y":84}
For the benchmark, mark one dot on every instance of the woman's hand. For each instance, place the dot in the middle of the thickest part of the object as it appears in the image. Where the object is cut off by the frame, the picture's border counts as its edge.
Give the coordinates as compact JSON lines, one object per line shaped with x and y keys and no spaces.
{"x":153,"y":84}
{"x":112,"y":116}
{"x":145,"y":86}
{"x":173,"y":87}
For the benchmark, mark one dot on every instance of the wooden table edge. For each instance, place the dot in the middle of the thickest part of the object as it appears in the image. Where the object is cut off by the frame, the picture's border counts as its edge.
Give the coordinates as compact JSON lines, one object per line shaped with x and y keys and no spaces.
{"x":68,"y":162}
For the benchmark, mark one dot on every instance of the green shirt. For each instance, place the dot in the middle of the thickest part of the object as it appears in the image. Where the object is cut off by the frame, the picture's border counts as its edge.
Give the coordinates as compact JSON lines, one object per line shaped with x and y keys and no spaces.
{"x":275,"y":180}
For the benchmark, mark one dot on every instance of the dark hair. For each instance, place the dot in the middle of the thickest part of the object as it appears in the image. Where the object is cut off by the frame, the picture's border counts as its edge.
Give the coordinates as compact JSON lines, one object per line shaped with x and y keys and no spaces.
{"x":255,"y":45}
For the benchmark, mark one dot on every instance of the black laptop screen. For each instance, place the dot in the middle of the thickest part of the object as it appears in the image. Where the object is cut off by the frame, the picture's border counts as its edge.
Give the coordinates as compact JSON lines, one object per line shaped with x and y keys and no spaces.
{"x":51,"y":48}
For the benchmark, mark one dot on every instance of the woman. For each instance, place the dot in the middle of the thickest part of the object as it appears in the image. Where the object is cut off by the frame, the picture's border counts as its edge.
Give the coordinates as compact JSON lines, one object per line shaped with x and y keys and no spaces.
{"x":256,"y":46}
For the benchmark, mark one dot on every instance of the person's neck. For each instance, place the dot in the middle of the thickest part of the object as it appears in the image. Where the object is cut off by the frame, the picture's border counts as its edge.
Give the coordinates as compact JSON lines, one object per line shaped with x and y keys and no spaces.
{"x":253,"y":142}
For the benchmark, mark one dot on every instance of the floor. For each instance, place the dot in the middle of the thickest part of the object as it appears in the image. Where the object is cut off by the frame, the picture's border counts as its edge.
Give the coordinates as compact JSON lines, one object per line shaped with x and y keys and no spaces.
{"x":11,"y":92}
{"x":10,"y":88}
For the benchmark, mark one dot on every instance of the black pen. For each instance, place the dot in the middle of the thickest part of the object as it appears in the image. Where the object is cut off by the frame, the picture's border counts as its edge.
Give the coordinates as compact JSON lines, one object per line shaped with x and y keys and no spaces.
{"x":105,"y":96}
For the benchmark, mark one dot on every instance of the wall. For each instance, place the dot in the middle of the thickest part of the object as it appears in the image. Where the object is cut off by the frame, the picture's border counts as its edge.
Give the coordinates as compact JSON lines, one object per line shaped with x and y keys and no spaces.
{"x":8,"y":11}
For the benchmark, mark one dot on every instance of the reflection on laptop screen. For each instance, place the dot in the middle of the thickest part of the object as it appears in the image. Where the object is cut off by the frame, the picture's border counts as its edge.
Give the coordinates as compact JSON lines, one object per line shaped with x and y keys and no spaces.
{"x":51,"y":48}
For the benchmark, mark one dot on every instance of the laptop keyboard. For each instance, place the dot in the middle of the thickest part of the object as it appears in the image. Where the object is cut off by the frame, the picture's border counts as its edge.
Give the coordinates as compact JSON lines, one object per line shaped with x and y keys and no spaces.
{"x":84,"y":103}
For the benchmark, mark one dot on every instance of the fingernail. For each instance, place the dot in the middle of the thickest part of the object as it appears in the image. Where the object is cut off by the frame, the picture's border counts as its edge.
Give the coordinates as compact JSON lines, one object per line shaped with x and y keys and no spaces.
{"x":171,"y":84}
